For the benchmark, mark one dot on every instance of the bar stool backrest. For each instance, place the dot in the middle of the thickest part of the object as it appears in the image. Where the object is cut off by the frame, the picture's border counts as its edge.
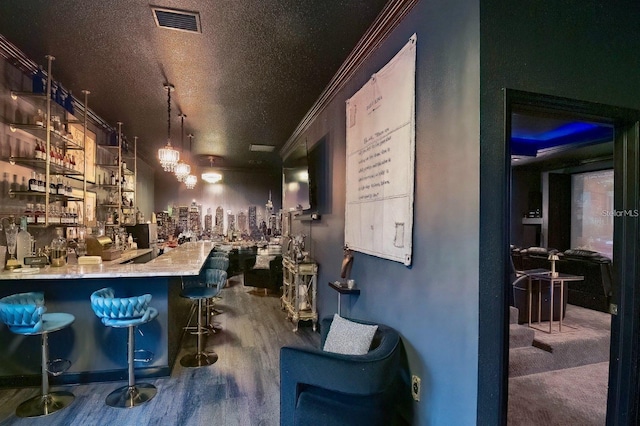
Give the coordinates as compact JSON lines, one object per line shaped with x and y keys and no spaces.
{"x":218,"y":263}
{"x":216,"y":278}
{"x":22,"y":312}
{"x":106,"y":306}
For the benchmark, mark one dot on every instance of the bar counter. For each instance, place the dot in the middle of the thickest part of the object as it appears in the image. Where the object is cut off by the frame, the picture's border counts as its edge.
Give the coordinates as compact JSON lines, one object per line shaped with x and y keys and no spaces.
{"x":97,"y":352}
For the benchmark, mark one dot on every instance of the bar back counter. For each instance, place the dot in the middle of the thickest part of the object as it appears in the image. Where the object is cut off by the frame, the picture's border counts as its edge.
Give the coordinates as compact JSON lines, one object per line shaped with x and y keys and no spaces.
{"x":96,"y":352}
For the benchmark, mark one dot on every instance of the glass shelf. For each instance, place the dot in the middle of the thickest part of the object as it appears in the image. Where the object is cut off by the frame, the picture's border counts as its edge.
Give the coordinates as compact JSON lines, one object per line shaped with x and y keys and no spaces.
{"x":40,"y":132}
{"x":41,"y":166}
{"x":52,"y":197}
{"x":39,"y":101}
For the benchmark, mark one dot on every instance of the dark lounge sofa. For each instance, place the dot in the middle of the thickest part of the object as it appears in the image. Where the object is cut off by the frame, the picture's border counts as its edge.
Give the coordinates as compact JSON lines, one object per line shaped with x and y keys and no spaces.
{"x":594,"y":292}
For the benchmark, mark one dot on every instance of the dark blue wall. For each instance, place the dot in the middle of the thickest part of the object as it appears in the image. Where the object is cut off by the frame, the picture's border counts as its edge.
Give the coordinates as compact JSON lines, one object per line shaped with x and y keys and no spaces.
{"x":433,"y":303}
{"x":449,"y":304}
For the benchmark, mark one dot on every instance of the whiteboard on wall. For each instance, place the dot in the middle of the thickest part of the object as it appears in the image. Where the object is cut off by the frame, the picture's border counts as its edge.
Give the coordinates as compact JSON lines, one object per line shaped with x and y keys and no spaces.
{"x":380,"y":161}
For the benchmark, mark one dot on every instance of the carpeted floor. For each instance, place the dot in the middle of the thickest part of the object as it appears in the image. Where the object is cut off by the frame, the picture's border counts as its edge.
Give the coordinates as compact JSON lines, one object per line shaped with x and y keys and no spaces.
{"x":571,"y":396}
{"x":562,"y":378}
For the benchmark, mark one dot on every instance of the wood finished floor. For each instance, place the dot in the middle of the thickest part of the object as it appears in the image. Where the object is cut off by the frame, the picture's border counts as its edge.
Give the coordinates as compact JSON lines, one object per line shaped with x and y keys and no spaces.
{"x":242,"y":388}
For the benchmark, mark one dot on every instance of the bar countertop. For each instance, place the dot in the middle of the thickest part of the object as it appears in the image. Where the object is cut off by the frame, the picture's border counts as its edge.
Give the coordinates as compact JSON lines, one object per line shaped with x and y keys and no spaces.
{"x":185,"y":260}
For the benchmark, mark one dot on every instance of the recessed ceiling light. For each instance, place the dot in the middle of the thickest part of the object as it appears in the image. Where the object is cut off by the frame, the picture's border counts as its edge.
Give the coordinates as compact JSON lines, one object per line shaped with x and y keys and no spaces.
{"x":261,"y":148}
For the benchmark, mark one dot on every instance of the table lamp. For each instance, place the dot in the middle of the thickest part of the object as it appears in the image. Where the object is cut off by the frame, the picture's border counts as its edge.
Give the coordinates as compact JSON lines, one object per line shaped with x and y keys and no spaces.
{"x":553,"y":257}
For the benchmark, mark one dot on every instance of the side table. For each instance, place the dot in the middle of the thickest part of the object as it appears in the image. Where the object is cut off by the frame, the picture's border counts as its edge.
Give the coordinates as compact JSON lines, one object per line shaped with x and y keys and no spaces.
{"x":343,"y":290}
{"x":551,"y":279}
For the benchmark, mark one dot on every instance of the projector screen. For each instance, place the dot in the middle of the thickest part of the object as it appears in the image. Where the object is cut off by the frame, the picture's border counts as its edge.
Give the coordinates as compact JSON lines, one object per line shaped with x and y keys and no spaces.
{"x":592,"y":211}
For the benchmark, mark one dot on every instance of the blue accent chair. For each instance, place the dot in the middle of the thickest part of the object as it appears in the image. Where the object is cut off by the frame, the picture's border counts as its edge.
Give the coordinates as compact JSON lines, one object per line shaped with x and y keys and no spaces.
{"x":24,"y":313}
{"x":323,"y":388}
{"x":126,"y":312}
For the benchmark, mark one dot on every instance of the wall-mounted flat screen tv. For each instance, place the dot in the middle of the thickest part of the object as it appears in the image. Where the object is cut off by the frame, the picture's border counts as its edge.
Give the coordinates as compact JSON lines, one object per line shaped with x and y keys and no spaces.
{"x":296,"y":188}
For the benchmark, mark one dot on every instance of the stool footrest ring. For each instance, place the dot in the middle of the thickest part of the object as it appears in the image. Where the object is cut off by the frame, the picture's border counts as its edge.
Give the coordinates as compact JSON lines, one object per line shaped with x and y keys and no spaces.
{"x":142,"y":355}
{"x":56,"y":367}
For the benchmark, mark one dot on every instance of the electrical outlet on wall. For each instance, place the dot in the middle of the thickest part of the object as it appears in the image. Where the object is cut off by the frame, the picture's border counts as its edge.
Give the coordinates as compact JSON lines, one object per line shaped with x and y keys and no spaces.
{"x":415,"y":387}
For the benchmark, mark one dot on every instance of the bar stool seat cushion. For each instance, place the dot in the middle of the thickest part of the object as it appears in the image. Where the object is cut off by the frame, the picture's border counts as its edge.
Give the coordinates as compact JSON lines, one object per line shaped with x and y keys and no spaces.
{"x":121,"y":311}
{"x":198,"y":292}
{"x":22,"y":312}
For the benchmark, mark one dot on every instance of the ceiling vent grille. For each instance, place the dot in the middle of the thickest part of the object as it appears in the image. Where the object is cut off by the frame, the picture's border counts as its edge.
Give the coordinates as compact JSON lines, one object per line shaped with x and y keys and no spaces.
{"x":175,"y":19}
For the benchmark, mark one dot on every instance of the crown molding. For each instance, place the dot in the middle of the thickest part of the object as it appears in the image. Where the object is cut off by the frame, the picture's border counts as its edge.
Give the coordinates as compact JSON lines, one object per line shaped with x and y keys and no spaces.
{"x":392,"y":14}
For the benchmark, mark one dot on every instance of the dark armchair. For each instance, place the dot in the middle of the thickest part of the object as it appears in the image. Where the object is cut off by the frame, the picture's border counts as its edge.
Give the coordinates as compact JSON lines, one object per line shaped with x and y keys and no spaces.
{"x":269,"y":279}
{"x":324,"y":388}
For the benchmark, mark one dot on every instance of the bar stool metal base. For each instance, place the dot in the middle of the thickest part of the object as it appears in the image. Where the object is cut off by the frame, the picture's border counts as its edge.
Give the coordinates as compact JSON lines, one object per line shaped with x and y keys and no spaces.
{"x":43,"y":405}
{"x":131,"y":396}
{"x":201,"y":359}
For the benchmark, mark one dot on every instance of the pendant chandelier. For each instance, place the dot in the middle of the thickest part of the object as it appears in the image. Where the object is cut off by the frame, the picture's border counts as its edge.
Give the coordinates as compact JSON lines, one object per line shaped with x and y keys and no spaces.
{"x":190,"y":181}
{"x":168,"y":156}
{"x":182,"y":169}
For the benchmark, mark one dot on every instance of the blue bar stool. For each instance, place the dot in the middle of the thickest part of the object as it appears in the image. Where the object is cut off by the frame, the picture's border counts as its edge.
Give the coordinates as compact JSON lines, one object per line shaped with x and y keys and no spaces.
{"x":200,"y":358}
{"x":218,"y":263}
{"x":221,"y":254}
{"x":24,"y":313}
{"x":217,"y":279}
{"x":129,"y":312}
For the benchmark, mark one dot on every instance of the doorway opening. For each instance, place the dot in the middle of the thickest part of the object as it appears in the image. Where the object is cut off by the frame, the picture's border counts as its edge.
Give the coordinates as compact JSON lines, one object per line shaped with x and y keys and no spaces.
{"x":572,"y":167}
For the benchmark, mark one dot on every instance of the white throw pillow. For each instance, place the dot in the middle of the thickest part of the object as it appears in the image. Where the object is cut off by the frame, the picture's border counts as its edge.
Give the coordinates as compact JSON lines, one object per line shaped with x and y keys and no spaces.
{"x":348,"y":337}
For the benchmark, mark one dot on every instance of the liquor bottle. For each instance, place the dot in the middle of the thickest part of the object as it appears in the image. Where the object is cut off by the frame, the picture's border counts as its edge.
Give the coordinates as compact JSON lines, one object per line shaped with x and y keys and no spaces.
{"x":64,"y":216}
{"x":29,"y":213}
{"x":113,"y":179}
{"x":39,"y":119}
{"x":60,"y":187}
{"x":40,"y":184}
{"x":41,"y":151}
{"x":33,"y":182}
{"x":58,"y":249}
{"x":23,"y":241}
{"x":68,"y":104}
{"x":39,"y":81}
{"x":39,"y":213}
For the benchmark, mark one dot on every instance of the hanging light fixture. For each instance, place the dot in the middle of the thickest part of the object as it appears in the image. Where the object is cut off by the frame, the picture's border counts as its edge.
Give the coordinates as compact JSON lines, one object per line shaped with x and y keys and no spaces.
{"x":168,"y":156}
{"x":182,"y":169}
{"x":190,"y":181}
{"x":211,"y":176}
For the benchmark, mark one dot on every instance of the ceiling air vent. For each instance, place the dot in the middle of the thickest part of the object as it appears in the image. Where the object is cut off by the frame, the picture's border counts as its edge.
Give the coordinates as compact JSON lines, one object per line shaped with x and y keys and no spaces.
{"x":175,"y":19}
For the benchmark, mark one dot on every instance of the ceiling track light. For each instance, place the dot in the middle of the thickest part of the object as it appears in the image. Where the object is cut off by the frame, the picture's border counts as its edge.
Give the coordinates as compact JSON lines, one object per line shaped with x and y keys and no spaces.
{"x":168,"y":156}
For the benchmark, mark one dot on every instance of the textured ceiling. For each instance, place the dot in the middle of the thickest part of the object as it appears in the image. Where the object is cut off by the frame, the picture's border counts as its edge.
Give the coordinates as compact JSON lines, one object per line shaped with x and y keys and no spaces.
{"x":249,"y":77}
